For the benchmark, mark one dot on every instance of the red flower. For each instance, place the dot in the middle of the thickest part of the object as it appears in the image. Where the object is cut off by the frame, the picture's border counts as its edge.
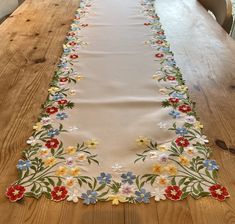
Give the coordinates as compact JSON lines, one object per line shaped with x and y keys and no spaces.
{"x":174,"y":100}
{"x":160,"y":32}
{"x":219,"y":192}
{"x":51,"y":110}
{"x":15,"y":192}
{"x":181,"y":141}
{"x":84,"y":25}
{"x":52,"y":143}
{"x":147,"y":24}
{"x":159,"y":42}
{"x":171,"y":78}
{"x":70,"y":34}
{"x":59,"y":193}
{"x":159,"y":55}
{"x":73,"y":56}
{"x":184,"y":108}
{"x":64,"y":79}
{"x":72,"y":43}
{"x":62,"y":102}
{"x":173,"y":193}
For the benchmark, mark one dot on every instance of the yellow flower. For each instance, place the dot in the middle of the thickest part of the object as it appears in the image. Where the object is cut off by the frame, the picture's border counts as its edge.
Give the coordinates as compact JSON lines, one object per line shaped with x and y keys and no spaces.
{"x":184,"y":160}
{"x":79,"y":77}
{"x":53,"y":90}
{"x":75,"y":171}
{"x":171,"y":169}
{"x":116,"y":199}
{"x":142,"y":140}
{"x":182,"y":88}
{"x":69,"y":181}
{"x":157,"y":168}
{"x":43,"y":152}
{"x":164,"y":91}
{"x":162,"y":180}
{"x":61,"y":171}
{"x":71,"y":150}
{"x":157,"y":77}
{"x":190,"y":151}
{"x":198,"y":125}
{"x":162,"y":148}
{"x":81,"y":157}
{"x":38,"y":126}
{"x":91,"y":144}
{"x":72,"y":92}
{"x":50,"y":161}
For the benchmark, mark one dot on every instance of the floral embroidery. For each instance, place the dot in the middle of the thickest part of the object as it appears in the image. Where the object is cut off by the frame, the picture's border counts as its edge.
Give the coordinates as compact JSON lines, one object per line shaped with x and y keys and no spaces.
{"x":179,"y":168}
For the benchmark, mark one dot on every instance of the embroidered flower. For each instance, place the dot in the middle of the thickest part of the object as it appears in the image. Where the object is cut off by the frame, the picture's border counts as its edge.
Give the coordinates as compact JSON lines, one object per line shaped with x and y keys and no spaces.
{"x":43,"y":152}
{"x":61,"y":171}
{"x":116,"y":167}
{"x":171,"y":169}
{"x":177,"y":95}
{"x":211,"y":164}
{"x":23,"y":164}
{"x":73,"y":196}
{"x":90,"y":197}
{"x":162,"y":148}
{"x":53,"y":132}
{"x":171,"y":78}
{"x":81,"y":157}
{"x":33,"y":140}
{"x":181,"y":131}
{"x":104,"y":178}
{"x":51,"y":110}
{"x":91,"y":144}
{"x":157,"y":168}
{"x":173,"y":100}
{"x":184,"y":108}
{"x":202,"y":139}
{"x":219,"y":192}
{"x":142,"y":196}
{"x":116,"y":199}
{"x":53,"y":90}
{"x":159,"y":194}
{"x":63,"y":79}
{"x":175,"y":114}
{"x":73,"y":128}
{"x":15,"y":192}
{"x":142,"y":140}
{"x":198,"y":125}
{"x":184,"y":160}
{"x":58,"y":96}
{"x":52,"y":143}
{"x":182,"y":88}
{"x":129,"y":178}
{"x":162,"y":124}
{"x":127,"y":190}
{"x":182,"y":142}
{"x":162,"y":180}
{"x":61,"y":116}
{"x":159,"y":55}
{"x":190,"y":119}
{"x":163,"y":158}
{"x":73,"y":56}
{"x":173,"y":193}
{"x":38,"y":126}
{"x":62,"y":102}
{"x":191,"y":151}
{"x":59,"y":193}
{"x":71,"y":150}
{"x":69,"y":182}
{"x":46,"y":121}
{"x":50,"y":161}
{"x":75,"y":171}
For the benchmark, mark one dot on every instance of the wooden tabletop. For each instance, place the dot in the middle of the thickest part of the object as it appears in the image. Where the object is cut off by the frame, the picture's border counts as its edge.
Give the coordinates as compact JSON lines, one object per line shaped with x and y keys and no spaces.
{"x":30,"y":46}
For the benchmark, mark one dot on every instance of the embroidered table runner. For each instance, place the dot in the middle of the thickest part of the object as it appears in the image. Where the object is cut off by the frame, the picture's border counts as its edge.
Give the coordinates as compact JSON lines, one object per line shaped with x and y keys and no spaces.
{"x":118,"y":124}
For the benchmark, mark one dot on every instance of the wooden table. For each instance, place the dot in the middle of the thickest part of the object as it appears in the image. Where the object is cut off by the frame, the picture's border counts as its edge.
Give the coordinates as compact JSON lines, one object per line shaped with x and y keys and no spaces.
{"x":30,"y":46}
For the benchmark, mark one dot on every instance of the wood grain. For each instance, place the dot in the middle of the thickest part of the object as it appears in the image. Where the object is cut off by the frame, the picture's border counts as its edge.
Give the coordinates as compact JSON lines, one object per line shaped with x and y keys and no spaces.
{"x":30,"y":46}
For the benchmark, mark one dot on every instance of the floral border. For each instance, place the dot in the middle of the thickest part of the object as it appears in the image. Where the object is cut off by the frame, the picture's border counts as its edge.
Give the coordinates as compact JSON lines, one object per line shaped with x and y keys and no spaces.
{"x":181,"y":168}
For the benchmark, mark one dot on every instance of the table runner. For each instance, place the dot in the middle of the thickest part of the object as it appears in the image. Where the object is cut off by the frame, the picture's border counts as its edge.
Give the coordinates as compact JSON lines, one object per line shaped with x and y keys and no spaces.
{"x":118,"y":124}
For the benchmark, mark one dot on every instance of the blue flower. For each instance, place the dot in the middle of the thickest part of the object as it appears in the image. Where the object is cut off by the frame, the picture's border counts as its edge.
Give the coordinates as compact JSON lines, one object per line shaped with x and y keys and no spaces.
{"x":63,"y":65}
{"x":58,"y":96}
{"x":128,"y":178}
{"x":23,"y":164}
{"x":104,"y":178}
{"x":170,"y":62}
{"x":211,"y":164}
{"x":165,"y":49}
{"x":177,"y":95}
{"x":174,"y":114}
{"x":53,"y":132}
{"x":61,"y":116}
{"x":142,"y":196}
{"x":181,"y":131}
{"x":90,"y":197}
{"x":67,"y":50}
